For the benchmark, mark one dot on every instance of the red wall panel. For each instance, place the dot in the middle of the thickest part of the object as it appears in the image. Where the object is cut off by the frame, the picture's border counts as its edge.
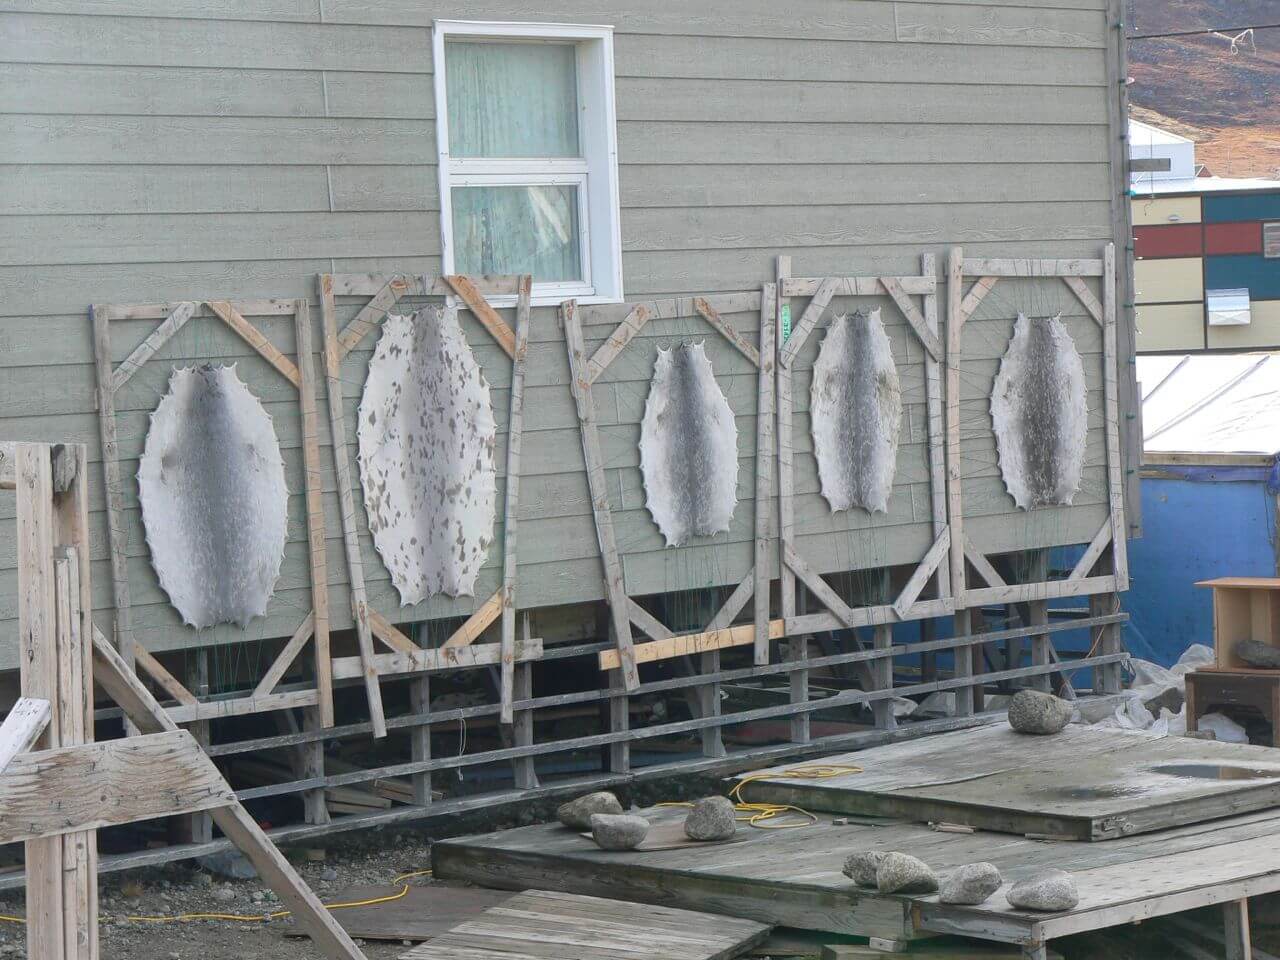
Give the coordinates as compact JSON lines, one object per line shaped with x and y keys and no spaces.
{"x":1233,"y":237}
{"x":1172,"y":240}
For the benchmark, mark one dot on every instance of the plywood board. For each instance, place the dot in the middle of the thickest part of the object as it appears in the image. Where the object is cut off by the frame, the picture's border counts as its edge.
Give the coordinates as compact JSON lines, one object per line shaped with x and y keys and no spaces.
{"x":793,"y":877}
{"x":422,"y":913}
{"x":1084,"y":783}
{"x":559,"y":926}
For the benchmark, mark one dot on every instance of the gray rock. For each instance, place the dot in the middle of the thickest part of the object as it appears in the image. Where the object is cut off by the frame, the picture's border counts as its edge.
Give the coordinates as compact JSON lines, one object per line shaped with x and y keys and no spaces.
{"x":1031,"y":711}
{"x":1050,"y":890}
{"x":971,"y":884}
{"x":619,"y":831}
{"x":228,"y":863}
{"x":903,"y":873}
{"x":576,"y":814}
{"x":712,"y":818}
{"x":1260,"y":655}
{"x":861,"y":867}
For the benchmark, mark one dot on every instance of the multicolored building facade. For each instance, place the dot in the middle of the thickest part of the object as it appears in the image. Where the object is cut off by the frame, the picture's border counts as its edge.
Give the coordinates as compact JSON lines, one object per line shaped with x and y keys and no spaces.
{"x":1207,"y":255}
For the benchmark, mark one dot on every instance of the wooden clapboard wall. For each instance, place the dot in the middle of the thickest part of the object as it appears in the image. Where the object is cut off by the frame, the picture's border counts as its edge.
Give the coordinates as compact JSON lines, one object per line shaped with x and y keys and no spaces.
{"x":159,"y":150}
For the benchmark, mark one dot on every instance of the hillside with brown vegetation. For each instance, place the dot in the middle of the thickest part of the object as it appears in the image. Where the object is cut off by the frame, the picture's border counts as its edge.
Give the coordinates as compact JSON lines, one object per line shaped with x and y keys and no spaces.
{"x":1229,"y":102}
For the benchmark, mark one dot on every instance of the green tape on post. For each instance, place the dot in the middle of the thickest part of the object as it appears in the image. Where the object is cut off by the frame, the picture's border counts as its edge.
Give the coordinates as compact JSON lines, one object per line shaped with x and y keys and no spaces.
{"x":786,"y":322}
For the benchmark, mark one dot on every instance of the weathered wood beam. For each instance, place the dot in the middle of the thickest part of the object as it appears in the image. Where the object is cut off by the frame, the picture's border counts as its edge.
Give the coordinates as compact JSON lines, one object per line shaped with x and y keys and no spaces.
{"x":498,"y":328}
{"x":477,"y":623}
{"x":95,"y":785}
{"x":712,"y":316}
{"x":254,"y":338}
{"x":22,"y":727}
{"x":437,"y":659}
{"x":683,"y":645}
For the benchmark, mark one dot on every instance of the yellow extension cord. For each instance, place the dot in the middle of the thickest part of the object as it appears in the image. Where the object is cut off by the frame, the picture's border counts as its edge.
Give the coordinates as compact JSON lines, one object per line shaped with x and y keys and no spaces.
{"x":756,"y":815}
{"x":266,"y":917}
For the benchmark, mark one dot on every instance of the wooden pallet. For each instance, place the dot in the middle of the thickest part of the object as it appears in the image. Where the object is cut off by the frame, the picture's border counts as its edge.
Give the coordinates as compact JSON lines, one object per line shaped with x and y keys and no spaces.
{"x":792,"y":877}
{"x":1083,"y":784}
{"x":544,"y":925}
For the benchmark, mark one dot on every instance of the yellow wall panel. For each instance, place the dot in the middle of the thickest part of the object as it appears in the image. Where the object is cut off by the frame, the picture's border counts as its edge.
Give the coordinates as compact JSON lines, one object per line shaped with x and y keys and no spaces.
{"x":1149,"y":212}
{"x":1170,"y":326}
{"x":1263,"y":329}
{"x":1168,"y":281}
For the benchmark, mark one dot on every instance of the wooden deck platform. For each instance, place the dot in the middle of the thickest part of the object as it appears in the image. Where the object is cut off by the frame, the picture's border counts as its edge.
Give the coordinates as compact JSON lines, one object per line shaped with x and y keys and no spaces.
{"x":1083,"y":784}
{"x":792,"y":877}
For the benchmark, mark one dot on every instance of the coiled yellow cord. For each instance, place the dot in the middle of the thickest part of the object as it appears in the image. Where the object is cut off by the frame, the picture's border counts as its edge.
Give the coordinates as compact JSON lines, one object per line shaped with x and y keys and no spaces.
{"x":758,"y":814}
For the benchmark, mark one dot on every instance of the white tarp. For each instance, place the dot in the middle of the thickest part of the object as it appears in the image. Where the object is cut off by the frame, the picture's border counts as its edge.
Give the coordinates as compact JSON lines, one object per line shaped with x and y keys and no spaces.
{"x":1211,"y":403}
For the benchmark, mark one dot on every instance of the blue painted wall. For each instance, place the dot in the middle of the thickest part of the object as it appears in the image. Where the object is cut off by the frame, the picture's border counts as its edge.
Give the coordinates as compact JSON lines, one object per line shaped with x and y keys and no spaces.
{"x":1260,"y":274}
{"x":1241,"y":207}
{"x":1193,"y":530}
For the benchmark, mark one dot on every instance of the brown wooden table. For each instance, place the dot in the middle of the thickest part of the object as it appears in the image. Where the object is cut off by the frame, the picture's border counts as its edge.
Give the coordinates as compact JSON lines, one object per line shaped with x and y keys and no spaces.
{"x":1260,"y":689}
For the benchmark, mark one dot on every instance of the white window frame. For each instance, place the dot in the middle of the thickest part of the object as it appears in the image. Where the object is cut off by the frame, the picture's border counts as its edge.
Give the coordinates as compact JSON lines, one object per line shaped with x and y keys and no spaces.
{"x":595,"y":173}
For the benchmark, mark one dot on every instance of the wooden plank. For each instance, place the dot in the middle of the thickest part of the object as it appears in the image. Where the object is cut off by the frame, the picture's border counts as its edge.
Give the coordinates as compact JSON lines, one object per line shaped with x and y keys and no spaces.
{"x":955,"y":499}
{"x":176,"y":320}
{"x":253,"y":336}
{"x":647,"y":622}
{"x":167,"y":681}
{"x":1115,"y":465}
{"x":1091,"y":554}
{"x":243,"y":706}
{"x":608,"y":351}
{"x":734,"y":603}
{"x":1020,"y":267}
{"x":860,"y":286}
{"x":1021,"y":592}
{"x":370,"y":315}
{"x":558,"y":926}
{"x":786,"y":463}
{"x":97,"y":785}
{"x":979,"y":561}
{"x":928,"y":337}
{"x":346,"y":500}
{"x":478,"y":622}
{"x":422,"y":913}
{"x":977,"y":293}
{"x":511,"y":510}
{"x":284,"y":660}
{"x":685,"y":644}
{"x":1086,"y":297}
{"x":819,"y":587}
{"x":8,"y":471}
{"x":23,"y":725}
{"x":1235,"y":919}
{"x":937,"y":423}
{"x":436,"y":659}
{"x":123,"y":686}
{"x":615,"y":589}
{"x":712,"y":316}
{"x":117,"y":530}
{"x":764,"y":472}
{"x":314,"y":480}
{"x":498,"y":328}
{"x":924,"y":570}
{"x":524,"y":770}
{"x":38,"y":673}
{"x":808,"y":320}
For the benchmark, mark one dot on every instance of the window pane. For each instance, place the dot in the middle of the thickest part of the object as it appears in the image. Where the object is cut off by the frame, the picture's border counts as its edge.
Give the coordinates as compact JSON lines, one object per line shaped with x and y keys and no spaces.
{"x":509,"y":230}
{"x":512,"y":99}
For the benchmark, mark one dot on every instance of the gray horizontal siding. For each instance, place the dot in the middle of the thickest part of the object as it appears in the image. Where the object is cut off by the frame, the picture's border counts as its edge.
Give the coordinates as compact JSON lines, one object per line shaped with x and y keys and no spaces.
{"x":157,"y":151}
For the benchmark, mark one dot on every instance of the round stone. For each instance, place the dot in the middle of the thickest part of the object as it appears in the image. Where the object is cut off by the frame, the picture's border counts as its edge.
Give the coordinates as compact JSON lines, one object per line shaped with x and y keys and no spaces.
{"x":1031,"y":711}
{"x":903,"y":873}
{"x":971,"y":884}
{"x":618,"y":831}
{"x":1050,"y":890}
{"x":576,"y":814}
{"x":712,"y":818}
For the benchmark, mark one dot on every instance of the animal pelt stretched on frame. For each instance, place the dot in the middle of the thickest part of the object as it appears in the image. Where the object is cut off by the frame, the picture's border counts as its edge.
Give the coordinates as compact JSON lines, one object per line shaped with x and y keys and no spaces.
{"x":427,"y":437}
{"x":688,"y":447}
{"x":855,"y":408}
{"x":214,"y":503}
{"x":1039,"y":413}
